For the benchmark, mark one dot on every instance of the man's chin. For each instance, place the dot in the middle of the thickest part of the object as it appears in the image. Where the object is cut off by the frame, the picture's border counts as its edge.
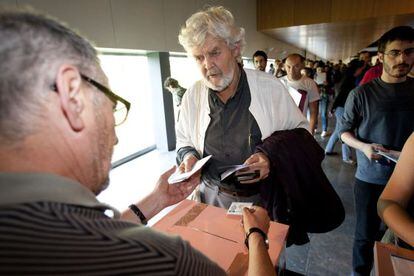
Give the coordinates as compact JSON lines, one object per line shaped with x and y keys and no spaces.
{"x":102,"y":187}
{"x":216,"y":88}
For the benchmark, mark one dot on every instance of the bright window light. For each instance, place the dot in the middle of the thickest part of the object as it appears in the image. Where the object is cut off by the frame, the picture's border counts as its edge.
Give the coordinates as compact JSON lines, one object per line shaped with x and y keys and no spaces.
{"x":128,"y":77}
{"x":184,"y":70}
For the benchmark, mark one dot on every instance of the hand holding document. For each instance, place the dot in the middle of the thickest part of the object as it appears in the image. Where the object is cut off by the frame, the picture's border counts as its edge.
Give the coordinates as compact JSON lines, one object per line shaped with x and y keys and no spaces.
{"x":232,"y":170}
{"x":178,"y":176}
{"x":390,"y":155}
{"x":218,"y":235}
{"x":236,"y":208}
{"x":241,"y":173}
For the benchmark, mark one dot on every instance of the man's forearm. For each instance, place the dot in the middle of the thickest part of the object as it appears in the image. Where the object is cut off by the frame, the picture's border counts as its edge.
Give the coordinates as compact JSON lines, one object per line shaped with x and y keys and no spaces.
{"x":149,"y":206}
{"x":350,"y":139}
{"x":259,"y":260}
{"x":312,"y":124}
{"x":182,"y":152}
{"x":313,"y":120}
{"x":397,"y":218}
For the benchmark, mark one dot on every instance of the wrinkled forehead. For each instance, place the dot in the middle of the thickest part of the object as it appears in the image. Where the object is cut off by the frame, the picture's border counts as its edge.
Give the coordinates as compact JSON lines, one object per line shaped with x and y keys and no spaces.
{"x":210,"y":44}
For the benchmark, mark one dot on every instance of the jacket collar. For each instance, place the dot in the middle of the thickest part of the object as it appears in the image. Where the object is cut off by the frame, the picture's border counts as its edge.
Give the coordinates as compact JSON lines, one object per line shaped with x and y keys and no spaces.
{"x":19,"y":188}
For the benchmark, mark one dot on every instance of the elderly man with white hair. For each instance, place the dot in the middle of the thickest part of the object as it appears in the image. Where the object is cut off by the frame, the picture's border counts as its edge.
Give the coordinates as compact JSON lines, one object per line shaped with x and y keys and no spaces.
{"x":230,"y":111}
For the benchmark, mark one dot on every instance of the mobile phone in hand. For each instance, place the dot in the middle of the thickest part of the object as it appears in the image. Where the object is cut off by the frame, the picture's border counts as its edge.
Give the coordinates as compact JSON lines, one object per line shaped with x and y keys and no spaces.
{"x":248,"y":176}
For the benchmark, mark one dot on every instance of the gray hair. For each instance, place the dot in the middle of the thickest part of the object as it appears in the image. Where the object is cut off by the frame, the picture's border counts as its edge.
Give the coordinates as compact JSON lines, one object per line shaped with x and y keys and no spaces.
{"x":216,"y":21}
{"x":32,"y":47}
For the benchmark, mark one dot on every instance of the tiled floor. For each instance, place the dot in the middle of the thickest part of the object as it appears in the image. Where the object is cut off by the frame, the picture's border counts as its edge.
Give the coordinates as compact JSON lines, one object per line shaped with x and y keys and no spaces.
{"x":326,"y":254}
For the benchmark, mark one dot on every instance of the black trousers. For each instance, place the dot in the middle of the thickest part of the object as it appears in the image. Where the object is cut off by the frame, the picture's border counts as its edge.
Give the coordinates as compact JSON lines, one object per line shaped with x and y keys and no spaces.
{"x":367,"y":228}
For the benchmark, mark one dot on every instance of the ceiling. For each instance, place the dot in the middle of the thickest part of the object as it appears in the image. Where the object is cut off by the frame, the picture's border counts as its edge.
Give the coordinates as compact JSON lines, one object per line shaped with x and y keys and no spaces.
{"x":339,"y":40}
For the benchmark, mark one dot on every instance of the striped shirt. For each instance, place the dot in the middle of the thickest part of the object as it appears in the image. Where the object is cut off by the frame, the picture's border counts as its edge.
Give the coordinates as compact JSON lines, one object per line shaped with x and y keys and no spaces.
{"x":51,"y":225}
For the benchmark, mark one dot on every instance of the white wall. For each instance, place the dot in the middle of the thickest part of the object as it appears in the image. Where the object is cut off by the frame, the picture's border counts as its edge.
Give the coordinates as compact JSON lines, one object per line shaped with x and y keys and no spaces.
{"x":151,"y":25}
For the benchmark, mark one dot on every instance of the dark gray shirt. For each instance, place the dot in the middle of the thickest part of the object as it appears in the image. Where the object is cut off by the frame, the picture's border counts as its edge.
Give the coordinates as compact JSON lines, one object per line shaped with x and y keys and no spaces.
{"x":382,"y":113}
{"x":50,"y":225}
{"x":231,"y":136}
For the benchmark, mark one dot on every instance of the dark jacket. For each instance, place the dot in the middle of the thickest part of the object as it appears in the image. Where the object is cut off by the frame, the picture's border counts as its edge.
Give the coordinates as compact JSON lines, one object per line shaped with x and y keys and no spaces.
{"x":298,"y":192}
{"x":344,"y":88}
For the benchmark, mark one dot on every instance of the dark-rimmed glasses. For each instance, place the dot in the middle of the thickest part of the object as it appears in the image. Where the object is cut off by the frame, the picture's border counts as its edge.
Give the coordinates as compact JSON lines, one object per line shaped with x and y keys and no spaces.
{"x":396,"y":53}
{"x":121,"y":107}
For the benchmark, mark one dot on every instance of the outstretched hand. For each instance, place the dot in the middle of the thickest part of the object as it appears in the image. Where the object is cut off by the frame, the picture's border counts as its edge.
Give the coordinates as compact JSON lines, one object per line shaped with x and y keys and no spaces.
{"x":169,"y":194}
{"x":163,"y":195}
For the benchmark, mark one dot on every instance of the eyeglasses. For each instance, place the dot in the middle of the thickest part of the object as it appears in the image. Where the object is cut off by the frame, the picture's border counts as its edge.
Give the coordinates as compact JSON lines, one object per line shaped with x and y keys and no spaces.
{"x":121,"y":107}
{"x":396,"y":53}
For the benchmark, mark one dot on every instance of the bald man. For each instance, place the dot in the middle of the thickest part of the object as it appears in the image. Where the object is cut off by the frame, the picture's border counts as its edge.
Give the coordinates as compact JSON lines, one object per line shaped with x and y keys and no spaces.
{"x":305,"y":86}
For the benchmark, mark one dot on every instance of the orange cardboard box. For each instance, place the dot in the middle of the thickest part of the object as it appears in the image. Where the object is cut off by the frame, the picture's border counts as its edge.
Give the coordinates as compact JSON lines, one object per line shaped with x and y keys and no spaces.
{"x":382,"y":259}
{"x":218,"y":235}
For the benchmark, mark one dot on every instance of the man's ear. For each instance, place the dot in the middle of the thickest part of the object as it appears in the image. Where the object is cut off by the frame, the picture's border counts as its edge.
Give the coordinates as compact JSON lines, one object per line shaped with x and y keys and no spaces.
{"x":236,"y":50}
{"x":381,"y":57}
{"x":68,"y":86}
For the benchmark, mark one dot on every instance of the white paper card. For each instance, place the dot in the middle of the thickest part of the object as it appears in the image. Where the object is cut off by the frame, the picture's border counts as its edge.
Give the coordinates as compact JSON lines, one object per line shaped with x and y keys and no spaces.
{"x":389,"y":155}
{"x":177,"y":176}
{"x":236,"y":208}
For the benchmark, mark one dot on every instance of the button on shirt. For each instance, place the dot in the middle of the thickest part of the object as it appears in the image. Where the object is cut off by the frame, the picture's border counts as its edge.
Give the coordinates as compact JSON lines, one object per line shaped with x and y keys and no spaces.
{"x":231,"y":136}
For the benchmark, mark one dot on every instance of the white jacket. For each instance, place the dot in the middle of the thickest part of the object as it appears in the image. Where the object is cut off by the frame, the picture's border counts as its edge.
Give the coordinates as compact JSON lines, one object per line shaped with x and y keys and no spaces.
{"x":271,"y":106}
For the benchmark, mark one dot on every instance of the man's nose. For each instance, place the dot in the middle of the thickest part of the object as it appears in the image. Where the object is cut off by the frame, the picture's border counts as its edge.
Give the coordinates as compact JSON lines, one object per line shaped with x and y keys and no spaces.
{"x":208,"y":62}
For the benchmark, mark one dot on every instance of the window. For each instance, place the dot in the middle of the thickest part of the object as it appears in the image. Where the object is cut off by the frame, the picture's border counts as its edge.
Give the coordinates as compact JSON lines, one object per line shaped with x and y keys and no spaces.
{"x":184,"y":70}
{"x":128,"y":77}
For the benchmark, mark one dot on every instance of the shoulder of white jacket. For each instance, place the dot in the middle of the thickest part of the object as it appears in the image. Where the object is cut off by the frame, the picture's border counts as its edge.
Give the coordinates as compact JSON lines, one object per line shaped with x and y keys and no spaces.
{"x":197,"y":86}
{"x":252,"y":73}
{"x":259,"y":76}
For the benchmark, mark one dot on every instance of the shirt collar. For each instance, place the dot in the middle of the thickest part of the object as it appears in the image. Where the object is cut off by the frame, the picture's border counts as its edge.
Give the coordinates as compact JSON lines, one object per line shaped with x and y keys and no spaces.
{"x":18,"y":188}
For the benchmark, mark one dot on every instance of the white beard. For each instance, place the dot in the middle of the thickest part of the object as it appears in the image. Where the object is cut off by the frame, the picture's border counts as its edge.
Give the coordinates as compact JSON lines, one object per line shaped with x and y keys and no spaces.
{"x":224,"y":83}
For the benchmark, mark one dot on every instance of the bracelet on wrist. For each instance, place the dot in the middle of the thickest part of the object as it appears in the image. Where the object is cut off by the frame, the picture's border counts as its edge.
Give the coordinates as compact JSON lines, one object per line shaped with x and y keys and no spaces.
{"x":256,"y":230}
{"x":134,"y":208}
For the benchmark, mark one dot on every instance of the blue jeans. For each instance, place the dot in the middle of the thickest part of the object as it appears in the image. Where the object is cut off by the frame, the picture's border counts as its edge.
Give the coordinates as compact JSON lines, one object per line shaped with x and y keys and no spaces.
{"x":323,"y":109}
{"x":367,"y":227}
{"x":346,"y":150}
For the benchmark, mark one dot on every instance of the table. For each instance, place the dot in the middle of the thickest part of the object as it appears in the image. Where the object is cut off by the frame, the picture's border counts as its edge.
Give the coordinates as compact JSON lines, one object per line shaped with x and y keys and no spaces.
{"x":382,"y":257}
{"x":218,"y":235}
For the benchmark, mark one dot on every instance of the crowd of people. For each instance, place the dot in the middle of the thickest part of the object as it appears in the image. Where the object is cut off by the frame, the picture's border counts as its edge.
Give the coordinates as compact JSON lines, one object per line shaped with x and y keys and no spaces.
{"x":327,"y":76}
{"x":58,"y":118}
{"x":374,"y":111}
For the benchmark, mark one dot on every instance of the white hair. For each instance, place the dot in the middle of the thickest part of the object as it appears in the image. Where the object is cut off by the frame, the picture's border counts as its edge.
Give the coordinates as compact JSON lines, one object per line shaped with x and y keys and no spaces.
{"x":215,"y":21}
